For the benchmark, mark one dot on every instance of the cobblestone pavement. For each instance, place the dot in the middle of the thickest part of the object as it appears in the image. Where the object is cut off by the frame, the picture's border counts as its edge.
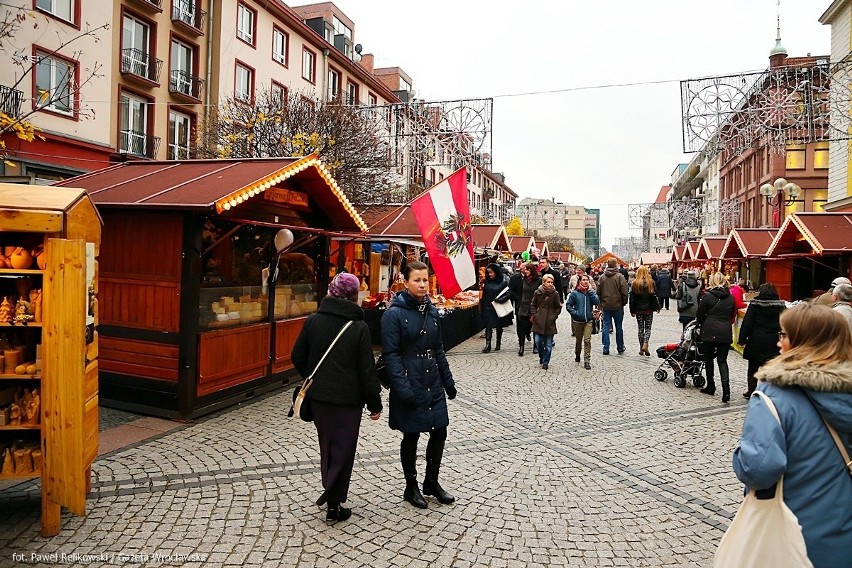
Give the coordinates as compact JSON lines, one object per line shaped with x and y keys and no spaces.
{"x":607,"y":467}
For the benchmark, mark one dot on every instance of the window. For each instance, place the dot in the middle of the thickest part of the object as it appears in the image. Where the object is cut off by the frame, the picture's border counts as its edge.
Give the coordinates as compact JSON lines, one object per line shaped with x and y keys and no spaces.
{"x":135,"y":47}
{"x":180,"y":129}
{"x":244,"y":84}
{"x":60,"y":8}
{"x":246,"y":18}
{"x":796,"y":157}
{"x":333,"y":85}
{"x":279,"y":93}
{"x":53,"y":79}
{"x":185,"y":11}
{"x":134,"y":125}
{"x":404,"y":85}
{"x":372,"y":99}
{"x":821,"y":155}
{"x":352,"y":93}
{"x":182,"y":77}
{"x":280,"y":46}
{"x":309,"y":65}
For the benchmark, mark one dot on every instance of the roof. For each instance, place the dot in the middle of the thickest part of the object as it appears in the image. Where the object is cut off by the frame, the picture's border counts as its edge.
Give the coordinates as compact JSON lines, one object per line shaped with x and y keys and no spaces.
{"x":813,"y":233}
{"x":490,"y":236}
{"x":21,"y":196}
{"x":664,"y":191}
{"x":606,"y":257}
{"x":220,"y":185}
{"x":521,"y":243}
{"x":399,"y":222}
{"x":745,"y":243}
{"x":691,"y":252}
{"x":375,"y":214}
{"x":655,"y":258}
{"x":710,"y":247}
{"x":677,"y":253}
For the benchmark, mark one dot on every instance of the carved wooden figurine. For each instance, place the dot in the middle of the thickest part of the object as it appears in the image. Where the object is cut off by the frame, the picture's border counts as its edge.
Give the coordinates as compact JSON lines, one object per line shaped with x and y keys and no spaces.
{"x":6,"y":310}
{"x":8,"y":463}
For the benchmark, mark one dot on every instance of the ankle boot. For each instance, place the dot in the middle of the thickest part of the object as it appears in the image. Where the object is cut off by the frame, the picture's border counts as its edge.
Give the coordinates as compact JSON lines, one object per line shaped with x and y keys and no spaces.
{"x":726,"y":389}
{"x":434,"y":454}
{"x":499,"y":337}
{"x":487,"y":348}
{"x":520,"y":348}
{"x":645,"y":349}
{"x":408,"y":457}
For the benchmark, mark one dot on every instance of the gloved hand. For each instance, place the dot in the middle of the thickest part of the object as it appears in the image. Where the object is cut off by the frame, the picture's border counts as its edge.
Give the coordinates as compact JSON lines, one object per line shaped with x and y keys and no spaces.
{"x":451,"y":392}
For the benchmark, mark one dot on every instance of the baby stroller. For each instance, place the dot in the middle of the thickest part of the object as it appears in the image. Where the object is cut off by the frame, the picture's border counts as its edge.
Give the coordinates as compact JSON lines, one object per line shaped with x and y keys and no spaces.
{"x":685,"y":358}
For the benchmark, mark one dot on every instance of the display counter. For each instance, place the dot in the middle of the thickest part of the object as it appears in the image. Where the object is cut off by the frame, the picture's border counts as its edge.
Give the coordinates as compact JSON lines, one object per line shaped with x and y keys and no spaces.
{"x":457,"y":325}
{"x":738,"y":322}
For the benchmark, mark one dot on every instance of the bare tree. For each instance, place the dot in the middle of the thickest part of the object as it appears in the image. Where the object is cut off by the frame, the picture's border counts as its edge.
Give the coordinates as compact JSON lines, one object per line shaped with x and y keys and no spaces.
{"x":11,"y":117}
{"x":557,"y":243}
{"x":350,"y":145}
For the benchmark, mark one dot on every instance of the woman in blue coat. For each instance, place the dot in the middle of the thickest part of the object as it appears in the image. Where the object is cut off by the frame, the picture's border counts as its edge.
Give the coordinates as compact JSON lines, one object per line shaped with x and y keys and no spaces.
{"x":421,"y":381}
{"x":810,"y":381}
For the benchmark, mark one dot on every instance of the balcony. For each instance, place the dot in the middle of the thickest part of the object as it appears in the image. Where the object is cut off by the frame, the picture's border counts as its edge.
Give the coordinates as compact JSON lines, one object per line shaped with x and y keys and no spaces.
{"x":138,"y":63}
{"x":182,"y":83}
{"x":10,"y":101}
{"x":138,"y":144}
{"x":189,"y":15}
{"x":151,"y":5}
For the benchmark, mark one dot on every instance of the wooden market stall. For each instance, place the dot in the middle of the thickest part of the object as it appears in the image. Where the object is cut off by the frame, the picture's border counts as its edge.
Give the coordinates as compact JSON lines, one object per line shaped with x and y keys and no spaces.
{"x":747,"y":248}
{"x":519,"y":244}
{"x":49,"y":240}
{"x":816,"y":248}
{"x":490,"y":242}
{"x":203,"y":290}
{"x":601,"y":261}
{"x":651,"y":258}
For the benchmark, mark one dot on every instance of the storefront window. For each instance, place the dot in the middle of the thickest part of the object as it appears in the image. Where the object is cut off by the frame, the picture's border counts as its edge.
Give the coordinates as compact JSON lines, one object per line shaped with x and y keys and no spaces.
{"x":234,"y":288}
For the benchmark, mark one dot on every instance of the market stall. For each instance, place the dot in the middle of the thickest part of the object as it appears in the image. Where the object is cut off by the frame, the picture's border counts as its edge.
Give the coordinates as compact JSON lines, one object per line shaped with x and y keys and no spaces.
{"x":208,"y":271}
{"x":744,"y":253}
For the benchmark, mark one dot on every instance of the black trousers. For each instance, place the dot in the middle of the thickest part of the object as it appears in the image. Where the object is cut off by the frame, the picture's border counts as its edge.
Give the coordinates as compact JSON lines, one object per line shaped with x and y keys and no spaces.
{"x":716,"y":352}
{"x":337,"y":430}
{"x":524,"y":327}
{"x":664,"y":303}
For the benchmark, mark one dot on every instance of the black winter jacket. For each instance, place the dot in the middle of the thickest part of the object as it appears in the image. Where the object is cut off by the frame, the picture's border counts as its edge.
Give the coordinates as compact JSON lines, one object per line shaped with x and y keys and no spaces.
{"x":516,"y":286}
{"x":664,"y":284}
{"x":759,"y":331}
{"x":490,"y":290}
{"x":716,"y":314}
{"x":522,"y":309}
{"x":347,"y":377}
{"x":642,"y":301}
{"x":418,"y":384}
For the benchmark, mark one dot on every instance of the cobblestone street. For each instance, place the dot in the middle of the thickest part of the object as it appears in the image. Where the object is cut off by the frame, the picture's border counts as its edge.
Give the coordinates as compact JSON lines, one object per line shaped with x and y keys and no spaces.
{"x":607,"y":467}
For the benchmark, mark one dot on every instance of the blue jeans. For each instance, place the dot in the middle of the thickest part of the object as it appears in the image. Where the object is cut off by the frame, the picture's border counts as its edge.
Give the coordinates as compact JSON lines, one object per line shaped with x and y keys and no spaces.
{"x":545,"y":348}
{"x":608,"y":317}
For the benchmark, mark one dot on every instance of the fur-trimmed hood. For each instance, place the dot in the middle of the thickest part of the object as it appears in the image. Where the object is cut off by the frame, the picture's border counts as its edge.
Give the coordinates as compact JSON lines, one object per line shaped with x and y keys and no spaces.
{"x":769,"y":303}
{"x":829,"y":387}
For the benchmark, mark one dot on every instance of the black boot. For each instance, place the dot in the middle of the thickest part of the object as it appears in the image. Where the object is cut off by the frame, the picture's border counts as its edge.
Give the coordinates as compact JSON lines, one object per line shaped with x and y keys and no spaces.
{"x":408,"y":457}
{"x":434,"y":453}
{"x":487,"y":348}
{"x":520,"y":347}
{"x":726,"y":389}
{"x":499,"y":337}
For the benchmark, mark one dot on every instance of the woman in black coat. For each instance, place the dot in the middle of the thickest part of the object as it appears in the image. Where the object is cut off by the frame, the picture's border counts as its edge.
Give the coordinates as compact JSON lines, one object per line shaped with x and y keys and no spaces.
{"x":344,"y":382}
{"x":529,"y":285}
{"x":495,"y":283}
{"x":664,"y":287}
{"x":759,"y":331}
{"x":715,"y":315}
{"x":421,"y":381}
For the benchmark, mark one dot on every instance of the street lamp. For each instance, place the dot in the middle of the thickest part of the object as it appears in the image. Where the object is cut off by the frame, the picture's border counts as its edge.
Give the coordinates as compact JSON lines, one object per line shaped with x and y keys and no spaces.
{"x":779,"y":194}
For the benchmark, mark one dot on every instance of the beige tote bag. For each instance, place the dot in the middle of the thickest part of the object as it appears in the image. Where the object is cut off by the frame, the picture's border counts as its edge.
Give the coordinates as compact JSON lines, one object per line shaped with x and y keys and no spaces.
{"x":764,"y":533}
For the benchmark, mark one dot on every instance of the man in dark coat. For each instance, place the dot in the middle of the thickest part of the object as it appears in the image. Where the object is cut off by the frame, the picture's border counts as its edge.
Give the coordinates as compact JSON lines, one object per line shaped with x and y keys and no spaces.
{"x":612,"y":291}
{"x":546,"y":268}
{"x":664,"y":287}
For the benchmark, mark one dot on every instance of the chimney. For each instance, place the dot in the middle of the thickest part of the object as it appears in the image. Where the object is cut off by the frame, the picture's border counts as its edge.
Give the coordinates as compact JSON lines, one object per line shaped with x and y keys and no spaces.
{"x":367,"y":62}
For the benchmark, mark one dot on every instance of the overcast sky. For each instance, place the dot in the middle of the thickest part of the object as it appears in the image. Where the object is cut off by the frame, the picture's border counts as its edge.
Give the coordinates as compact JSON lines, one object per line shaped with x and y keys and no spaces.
{"x":597,"y":147}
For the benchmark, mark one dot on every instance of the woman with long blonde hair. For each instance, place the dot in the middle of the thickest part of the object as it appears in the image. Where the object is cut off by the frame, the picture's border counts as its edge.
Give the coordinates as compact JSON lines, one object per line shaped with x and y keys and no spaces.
{"x":643,"y":303}
{"x":810,"y":385}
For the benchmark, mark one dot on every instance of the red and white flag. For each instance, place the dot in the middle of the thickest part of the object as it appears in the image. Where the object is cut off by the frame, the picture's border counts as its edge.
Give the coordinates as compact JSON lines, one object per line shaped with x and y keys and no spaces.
{"x":443,"y":217}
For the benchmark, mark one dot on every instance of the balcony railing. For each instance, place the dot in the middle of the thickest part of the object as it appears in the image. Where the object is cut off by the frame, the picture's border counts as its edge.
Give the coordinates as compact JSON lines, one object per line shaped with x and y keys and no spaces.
{"x":10,"y":101}
{"x":139,"y":144}
{"x":189,"y":12}
{"x":142,"y":64}
{"x":184,"y":83}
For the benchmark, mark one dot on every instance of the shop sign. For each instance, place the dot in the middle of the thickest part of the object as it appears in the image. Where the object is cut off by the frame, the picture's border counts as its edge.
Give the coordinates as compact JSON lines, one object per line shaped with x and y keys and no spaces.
{"x":287,"y":197}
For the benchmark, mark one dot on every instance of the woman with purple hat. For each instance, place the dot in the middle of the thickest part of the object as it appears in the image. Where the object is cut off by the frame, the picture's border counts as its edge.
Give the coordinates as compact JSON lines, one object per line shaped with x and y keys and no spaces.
{"x":343,"y":384}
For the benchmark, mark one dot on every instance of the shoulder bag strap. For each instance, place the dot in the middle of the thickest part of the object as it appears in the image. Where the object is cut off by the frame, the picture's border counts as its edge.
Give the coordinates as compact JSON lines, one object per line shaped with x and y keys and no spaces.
{"x":339,"y":333}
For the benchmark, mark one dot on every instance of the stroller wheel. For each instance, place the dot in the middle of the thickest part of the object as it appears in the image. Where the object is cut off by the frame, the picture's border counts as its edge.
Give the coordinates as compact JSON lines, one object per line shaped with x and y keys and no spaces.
{"x":679,"y":381}
{"x":661,"y":375}
{"x":698,"y":381}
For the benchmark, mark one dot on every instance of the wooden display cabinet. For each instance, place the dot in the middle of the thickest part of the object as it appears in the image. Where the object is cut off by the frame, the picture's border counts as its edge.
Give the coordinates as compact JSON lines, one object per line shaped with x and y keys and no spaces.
{"x":55,"y":389}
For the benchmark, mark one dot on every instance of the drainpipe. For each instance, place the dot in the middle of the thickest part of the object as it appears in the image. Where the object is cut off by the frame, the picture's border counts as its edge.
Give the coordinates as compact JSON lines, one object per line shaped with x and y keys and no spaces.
{"x":324,"y":93}
{"x":207,"y":87}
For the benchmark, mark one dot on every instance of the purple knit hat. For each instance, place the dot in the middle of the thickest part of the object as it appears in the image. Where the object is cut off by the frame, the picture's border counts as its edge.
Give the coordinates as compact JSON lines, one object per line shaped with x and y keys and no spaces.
{"x":344,"y":285}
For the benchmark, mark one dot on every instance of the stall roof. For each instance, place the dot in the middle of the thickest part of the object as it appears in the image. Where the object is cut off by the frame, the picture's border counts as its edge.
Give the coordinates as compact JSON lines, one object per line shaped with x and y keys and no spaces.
{"x":602,"y":259}
{"x":746,"y":243}
{"x":492,"y":237}
{"x":216,"y":184}
{"x":710,"y":247}
{"x":813,"y":233}
{"x":691,"y":252}
{"x":655,"y":258}
{"x":521,"y":243}
{"x":677,"y":253}
{"x":398,"y":222}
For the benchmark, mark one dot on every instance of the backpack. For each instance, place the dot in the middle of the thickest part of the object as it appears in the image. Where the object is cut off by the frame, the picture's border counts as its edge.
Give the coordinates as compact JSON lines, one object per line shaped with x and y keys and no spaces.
{"x":685,"y":301}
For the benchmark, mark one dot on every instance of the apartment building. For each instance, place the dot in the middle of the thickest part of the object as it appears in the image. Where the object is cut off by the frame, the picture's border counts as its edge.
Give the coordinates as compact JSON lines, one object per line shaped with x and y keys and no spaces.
{"x":546,"y":217}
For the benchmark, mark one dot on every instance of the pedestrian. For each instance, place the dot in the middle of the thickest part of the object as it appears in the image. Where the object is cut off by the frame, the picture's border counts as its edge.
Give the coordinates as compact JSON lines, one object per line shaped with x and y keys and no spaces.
{"x":688,"y":295}
{"x":495,"y":284}
{"x":810,"y":385}
{"x":583,"y":305}
{"x":738,"y":291}
{"x":759,"y":332}
{"x":516,"y":287}
{"x":842,"y":296}
{"x":344,"y":382}
{"x":716,"y":313}
{"x":612,"y":291}
{"x":565,"y":275}
{"x":664,"y":287}
{"x":530,"y":284}
{"x":421,"y":382}
{"x":547,"y":268}
{"x":578,"y":272}
{"x":826,"y":298}
{"x":544,"y":310}
{"x":643,"y":303}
